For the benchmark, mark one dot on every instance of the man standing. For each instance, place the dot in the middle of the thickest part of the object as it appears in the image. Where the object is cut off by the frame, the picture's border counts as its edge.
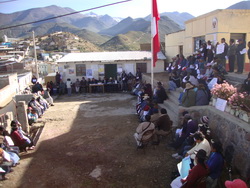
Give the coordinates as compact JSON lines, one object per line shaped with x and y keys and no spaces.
{"x":69,"y":84}
{"x":231,"y":55}
{"x":221,"y":52}
{"x":240,"y":51}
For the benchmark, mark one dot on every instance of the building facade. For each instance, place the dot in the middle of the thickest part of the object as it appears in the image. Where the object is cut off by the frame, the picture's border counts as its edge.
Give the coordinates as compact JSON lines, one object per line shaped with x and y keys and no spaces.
{"x":227,"y":23}
{"x":107,"y":64}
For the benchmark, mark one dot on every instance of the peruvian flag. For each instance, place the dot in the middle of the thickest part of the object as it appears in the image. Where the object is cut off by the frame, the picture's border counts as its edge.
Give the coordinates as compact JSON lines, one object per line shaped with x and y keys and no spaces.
{"x":155,"y":31}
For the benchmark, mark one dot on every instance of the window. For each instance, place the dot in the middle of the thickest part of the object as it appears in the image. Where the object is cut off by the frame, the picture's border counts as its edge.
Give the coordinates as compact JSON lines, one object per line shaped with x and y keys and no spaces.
{"x":80,"y":70}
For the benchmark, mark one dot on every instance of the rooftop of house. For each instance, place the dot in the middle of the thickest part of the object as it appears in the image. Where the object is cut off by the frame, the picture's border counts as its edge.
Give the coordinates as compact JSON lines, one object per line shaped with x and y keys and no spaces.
{"x":109,"y":56}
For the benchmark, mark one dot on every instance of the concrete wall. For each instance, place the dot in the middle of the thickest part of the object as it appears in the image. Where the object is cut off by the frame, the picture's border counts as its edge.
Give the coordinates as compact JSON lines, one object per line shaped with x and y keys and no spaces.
{"x":128,"y":66}
{"x":172,"y":43}
{"x":229,"y":131}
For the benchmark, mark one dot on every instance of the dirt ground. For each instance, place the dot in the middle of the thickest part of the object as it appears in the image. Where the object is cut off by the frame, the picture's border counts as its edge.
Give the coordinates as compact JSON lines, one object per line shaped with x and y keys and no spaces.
{"x":88,"y":142}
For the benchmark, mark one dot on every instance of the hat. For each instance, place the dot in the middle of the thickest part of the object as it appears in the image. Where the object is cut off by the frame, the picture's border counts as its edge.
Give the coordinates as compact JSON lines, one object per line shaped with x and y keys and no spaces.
{"x":189,"y":86}
{"x":237,"y":183}
{"x":201,"y":154}
{"x":204,"y":119}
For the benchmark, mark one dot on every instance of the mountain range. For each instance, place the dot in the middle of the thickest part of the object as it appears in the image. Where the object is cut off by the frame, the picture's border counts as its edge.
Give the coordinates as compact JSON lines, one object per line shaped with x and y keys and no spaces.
{"x":101,"y":30}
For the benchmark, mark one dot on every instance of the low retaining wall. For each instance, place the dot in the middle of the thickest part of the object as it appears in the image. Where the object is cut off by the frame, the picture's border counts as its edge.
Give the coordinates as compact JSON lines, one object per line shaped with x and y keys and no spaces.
{"x":229,"y":131}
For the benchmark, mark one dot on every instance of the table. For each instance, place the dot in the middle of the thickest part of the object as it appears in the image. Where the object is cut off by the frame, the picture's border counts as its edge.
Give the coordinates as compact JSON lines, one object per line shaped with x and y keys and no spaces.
{"x":96,"y":85}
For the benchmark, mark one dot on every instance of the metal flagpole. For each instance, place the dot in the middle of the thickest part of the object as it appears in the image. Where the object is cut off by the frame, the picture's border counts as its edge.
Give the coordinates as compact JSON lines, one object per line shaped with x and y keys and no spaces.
{"x":152,"y":48}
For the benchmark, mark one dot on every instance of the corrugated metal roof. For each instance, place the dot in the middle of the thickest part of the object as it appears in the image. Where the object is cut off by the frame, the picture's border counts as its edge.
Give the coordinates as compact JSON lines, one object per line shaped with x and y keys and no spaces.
{"x":109,"y":56}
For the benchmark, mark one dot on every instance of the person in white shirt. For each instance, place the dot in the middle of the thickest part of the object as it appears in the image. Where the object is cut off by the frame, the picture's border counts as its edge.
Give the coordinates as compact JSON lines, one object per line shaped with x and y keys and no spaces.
{"x":68,"y":85}
{"x":201,"y":143}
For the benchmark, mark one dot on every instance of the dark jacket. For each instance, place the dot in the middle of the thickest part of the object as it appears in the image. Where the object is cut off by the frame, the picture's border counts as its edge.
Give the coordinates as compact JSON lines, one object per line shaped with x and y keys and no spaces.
{"x":163,"y":123}
{"x":215,"y":164}
{"x":188,"y":98}
{"x":202,"y":97}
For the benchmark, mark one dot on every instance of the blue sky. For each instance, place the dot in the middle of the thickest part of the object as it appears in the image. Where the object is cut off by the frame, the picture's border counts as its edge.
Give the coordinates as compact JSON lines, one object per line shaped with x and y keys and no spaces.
{"x":134,"y":8}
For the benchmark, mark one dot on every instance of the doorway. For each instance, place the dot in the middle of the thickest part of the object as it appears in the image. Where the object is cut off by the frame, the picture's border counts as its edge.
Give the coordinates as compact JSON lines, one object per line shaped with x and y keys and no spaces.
{"x":110,"y":71}
{"x":142,"y":67}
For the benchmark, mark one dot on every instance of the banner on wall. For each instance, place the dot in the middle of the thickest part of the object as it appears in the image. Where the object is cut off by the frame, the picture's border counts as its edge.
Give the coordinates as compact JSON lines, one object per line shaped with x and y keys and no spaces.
{"x":89,"y":73}
{"x":101,"y":70}
{"x":71,"y":71}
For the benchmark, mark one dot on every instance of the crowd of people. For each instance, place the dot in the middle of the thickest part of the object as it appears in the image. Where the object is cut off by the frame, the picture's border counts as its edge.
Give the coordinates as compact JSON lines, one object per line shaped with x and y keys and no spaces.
{"x":124,"y":83}
{"x":197,"y":74}
{"x":11,"y":145}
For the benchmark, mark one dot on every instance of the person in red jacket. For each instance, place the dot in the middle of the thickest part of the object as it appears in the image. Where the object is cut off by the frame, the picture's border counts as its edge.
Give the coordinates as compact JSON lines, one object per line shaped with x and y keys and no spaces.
{"x":197,"y":175}
{"x":19,"y":140}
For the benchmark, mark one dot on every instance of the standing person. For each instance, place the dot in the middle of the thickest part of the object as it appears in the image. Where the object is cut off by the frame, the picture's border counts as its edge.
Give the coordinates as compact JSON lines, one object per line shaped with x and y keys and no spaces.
{"x":222,"y":54}
{"x":138,"y":74}
{"x":210,"y":51}
{"x":231,"y":55}
{"x":68,"y":85}
{"x":240,"y":56}
{"x":58,"y":78}
{"x":34,"y":79}
{"x":124,"y":81}
{"x":77,"y":85}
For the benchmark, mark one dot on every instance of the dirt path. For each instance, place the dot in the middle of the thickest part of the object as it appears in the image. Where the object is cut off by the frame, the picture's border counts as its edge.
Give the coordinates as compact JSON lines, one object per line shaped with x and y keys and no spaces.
{"x":88,"y":142}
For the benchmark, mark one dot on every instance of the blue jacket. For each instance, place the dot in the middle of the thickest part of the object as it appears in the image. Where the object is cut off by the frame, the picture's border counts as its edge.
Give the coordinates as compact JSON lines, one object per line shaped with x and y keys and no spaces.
{"x":215,"y":164}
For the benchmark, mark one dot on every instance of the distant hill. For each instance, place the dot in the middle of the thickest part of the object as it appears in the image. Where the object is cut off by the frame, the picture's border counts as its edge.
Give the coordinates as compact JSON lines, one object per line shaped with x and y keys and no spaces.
{"x":127,"y":25}
{"x":95,"y":38}
{"x":56,"y":41}
{"x":177,"y":17}
{"x":93,"y":23}
{"x":128,"y":41}
{"x":240,"y":5}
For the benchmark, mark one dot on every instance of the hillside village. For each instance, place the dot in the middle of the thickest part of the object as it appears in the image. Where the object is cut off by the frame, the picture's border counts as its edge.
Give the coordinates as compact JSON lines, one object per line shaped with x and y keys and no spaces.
{"x":93,"y":63}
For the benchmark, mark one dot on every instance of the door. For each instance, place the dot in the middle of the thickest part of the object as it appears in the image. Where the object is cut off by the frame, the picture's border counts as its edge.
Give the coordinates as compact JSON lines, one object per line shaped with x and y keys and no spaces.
{"x":110,"y":71}
{"x":142,"y":67}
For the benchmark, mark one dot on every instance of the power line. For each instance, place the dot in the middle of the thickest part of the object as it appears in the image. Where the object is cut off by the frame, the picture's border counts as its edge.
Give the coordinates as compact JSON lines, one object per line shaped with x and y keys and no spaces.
{"x":65,"y":15}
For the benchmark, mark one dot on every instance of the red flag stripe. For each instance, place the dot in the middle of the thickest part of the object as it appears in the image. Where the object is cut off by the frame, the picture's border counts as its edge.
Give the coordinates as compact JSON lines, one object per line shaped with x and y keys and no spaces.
{"x":155,"y":31}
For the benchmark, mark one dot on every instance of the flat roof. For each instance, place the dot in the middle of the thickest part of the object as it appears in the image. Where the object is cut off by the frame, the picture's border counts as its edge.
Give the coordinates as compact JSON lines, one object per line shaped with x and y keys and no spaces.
{"x":109,"y":56}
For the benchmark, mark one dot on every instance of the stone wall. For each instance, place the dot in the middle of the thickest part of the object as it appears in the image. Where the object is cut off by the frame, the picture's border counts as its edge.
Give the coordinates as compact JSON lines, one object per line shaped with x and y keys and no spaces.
{"x":229,"y":131}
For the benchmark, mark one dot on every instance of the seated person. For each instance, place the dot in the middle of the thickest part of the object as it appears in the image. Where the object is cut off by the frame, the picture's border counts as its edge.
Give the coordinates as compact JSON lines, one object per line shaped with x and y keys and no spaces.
{"x":189,"y":126}
{"x":197,"y":174}
{"x":174,"y":82}
{"x":4,"y":165}
{"x":160,"y":94}
{"x":141,"y":129}
{"x":201,"y":143}
{"x":20,"y":138}
{"x":47,"y":97}
{"x":32,"y":116}
{"x":215,"y":164}
{"x":189,"y":96}
{"x":163,"y":125}
{"x":204,"y":128}
{"x":202,"y":97}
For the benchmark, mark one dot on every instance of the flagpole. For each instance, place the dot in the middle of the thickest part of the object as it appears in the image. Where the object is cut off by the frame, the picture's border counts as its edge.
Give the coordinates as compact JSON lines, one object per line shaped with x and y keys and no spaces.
{"x":152,"y":54}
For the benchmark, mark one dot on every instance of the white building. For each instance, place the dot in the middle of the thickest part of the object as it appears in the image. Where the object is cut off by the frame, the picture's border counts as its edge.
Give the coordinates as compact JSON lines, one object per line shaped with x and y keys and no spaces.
{"x":107,"y":64}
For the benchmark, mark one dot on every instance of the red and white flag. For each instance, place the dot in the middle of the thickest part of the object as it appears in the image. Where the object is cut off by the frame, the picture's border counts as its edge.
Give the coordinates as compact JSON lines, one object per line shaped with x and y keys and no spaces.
{"x":155,"y":31}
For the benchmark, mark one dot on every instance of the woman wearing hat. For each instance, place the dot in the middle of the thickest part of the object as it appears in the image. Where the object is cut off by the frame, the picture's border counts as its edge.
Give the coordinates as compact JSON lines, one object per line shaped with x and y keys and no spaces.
{"x":197,"y":175}
{"x":189,"y":97}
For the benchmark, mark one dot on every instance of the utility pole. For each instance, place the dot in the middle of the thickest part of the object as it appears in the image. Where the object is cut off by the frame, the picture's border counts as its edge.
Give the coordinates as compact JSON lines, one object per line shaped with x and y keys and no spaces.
{"x":36,"y":66}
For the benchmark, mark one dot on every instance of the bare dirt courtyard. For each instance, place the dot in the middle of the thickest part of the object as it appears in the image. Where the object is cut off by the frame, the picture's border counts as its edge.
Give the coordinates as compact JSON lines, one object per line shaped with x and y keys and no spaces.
{"x":88,"y":142}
